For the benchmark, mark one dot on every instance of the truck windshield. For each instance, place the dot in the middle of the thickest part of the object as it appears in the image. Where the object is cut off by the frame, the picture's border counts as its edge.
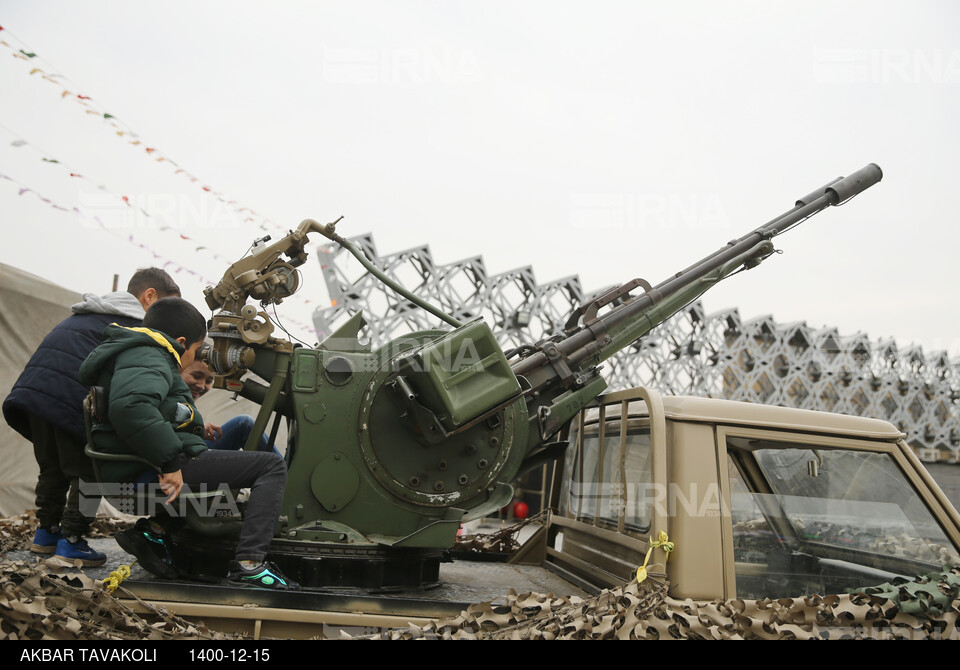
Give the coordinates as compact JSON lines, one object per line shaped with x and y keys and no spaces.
{"x":826,"y":520}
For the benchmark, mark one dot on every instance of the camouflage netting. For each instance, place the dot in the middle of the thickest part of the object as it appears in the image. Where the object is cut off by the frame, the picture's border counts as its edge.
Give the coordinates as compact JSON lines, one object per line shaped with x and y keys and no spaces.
{"x":645,"y":612}
{"x":16,"y":533}
{"x":52,"y":600}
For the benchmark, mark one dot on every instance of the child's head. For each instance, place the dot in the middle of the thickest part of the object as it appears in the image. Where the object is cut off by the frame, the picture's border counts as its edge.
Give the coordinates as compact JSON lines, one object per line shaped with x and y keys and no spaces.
{"x":148,"y":285}
{"x":198,"y":377}
{"x":180,"y":320}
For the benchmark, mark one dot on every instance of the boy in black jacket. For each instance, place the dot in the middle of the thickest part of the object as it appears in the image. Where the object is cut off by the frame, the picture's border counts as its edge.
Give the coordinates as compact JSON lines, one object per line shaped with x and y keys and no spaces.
{"x":152,"y":415}
{"x":46,"y":407}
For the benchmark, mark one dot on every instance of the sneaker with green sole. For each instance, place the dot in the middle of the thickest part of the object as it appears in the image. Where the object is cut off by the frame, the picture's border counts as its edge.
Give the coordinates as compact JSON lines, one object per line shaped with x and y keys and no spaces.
{"x":265,"y":575}
{"x":151,"y":549}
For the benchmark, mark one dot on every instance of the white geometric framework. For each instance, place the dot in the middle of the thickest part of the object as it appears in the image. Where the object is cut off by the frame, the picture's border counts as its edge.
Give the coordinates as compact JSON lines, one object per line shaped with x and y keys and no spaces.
{"x":716,"y":355}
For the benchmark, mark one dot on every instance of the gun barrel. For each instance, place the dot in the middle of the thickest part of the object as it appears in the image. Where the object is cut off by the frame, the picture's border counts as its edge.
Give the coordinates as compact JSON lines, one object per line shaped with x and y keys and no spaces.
{"x":604,"y":336}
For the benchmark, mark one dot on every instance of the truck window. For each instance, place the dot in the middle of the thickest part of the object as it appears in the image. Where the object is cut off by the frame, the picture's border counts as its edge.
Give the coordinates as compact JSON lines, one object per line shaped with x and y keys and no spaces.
{"x":596,"y":489}
{"x":826,"y":520}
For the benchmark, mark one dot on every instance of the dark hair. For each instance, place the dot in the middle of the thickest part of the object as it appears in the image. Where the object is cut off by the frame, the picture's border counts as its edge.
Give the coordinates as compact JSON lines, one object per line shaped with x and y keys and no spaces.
{"x":177,"y":318}
{"x":154,"y":278}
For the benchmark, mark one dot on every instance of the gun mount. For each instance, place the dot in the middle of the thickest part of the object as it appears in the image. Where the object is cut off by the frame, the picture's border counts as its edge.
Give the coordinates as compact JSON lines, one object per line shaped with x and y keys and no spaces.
{"x":392,"y":448}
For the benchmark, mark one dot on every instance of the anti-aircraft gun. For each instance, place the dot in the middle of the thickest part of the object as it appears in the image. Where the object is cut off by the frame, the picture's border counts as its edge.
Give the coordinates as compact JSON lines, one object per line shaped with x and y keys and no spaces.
{"x":391,"y":449}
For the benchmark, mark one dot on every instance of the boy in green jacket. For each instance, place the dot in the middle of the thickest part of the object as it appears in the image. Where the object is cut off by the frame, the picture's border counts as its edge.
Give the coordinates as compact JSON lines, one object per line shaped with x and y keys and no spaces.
{"x":152,"y":415}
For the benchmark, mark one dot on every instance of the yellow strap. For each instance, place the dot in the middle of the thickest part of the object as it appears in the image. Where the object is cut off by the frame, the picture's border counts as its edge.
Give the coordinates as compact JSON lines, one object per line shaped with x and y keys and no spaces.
{"x":117,"y":576}
{"x":188,"y":421}
{"x":663,"y":542}
{"x":156,"y":337}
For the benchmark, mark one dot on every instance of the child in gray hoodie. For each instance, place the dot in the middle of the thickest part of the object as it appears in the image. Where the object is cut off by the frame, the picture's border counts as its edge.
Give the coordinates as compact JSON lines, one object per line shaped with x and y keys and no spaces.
{"x":46,"y":407}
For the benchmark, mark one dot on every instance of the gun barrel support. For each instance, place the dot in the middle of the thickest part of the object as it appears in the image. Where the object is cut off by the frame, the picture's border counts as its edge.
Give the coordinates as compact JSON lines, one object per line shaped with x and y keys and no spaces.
{"x":329,"y":231}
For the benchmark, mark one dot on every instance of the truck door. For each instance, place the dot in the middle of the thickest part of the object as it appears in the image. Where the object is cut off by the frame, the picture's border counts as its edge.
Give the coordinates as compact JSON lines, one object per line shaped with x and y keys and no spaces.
{"x":812,"y":514}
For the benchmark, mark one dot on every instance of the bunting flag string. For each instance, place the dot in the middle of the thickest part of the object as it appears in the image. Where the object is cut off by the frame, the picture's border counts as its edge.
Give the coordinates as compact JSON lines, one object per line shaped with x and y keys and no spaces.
{"x":48,"y":158}
{"x":164,"y":262}
{"x":167,"y":263}
{"x":125,"y":131}
{"x":20,"y":141}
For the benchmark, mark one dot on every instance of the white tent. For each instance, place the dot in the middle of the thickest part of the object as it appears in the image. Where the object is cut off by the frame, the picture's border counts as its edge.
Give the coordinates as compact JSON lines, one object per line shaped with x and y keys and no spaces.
{"x":29,"y":308}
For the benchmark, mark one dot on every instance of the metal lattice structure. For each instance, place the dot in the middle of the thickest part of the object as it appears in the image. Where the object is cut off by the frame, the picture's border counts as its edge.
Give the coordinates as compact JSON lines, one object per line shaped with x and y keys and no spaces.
{"x":717,"y":355}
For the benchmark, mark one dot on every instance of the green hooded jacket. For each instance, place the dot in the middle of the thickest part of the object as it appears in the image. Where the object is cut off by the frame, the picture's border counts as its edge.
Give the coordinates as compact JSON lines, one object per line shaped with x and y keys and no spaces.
{"x":151,"y":410}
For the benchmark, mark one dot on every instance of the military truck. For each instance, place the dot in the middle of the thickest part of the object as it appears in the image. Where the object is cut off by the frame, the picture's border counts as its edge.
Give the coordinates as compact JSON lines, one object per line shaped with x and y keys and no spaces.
{"x":758,"y":501}
{"x":393,"y":448}
{"x":754,"y":501}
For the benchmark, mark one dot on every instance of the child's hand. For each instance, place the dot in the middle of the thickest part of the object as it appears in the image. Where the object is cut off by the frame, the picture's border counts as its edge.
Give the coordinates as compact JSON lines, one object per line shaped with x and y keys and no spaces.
{"x":212,"y":432}
{"x":171,"y":483}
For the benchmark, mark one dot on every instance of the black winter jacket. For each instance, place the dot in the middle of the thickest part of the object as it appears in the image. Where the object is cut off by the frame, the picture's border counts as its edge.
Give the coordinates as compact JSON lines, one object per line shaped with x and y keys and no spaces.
{"x":49,"y":387}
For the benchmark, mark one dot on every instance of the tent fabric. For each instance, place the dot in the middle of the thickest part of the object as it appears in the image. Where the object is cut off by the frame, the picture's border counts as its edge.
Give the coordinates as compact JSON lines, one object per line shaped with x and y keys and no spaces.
{"x":29,"y":309}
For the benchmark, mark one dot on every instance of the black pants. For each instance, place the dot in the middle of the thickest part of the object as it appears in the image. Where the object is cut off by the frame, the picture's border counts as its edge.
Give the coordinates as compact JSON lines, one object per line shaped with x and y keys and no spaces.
{"x":263,"y":472}
{"x":63,"y":466}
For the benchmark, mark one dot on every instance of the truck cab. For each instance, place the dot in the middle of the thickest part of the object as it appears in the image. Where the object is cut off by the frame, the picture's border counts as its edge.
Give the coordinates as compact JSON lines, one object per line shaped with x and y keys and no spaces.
{"x":757,"y":501}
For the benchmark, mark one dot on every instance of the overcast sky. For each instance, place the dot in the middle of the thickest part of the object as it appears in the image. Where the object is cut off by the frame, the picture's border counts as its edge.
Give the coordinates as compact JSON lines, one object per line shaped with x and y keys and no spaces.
{"x":605,"y":139}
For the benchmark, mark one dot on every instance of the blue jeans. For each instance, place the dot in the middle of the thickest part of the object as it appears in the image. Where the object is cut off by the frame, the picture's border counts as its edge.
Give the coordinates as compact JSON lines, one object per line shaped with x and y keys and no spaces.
{"x":235,"y":434}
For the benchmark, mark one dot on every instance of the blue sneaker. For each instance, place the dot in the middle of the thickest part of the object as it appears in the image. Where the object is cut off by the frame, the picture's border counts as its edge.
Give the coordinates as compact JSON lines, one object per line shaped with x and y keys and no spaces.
{"x":90,"y":558}
{"x":45,"y":541}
